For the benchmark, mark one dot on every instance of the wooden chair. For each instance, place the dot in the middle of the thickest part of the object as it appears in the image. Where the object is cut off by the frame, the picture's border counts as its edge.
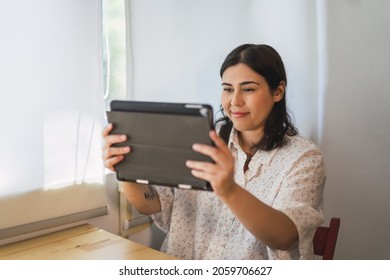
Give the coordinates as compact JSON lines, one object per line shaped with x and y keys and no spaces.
{"x":325,"y":239}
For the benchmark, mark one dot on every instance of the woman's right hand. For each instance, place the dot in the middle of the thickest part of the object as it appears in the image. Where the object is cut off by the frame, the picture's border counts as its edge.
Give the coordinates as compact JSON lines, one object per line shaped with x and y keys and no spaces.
{"x":113,"y":155}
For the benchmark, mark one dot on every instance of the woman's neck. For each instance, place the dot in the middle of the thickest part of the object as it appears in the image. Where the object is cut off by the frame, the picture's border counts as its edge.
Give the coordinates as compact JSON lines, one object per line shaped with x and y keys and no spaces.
{"x":248,"y":140}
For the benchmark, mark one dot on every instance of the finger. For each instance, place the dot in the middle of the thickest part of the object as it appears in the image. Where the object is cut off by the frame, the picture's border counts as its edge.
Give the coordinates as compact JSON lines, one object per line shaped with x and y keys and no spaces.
{"x":218,"y":141}
{"x":111,"y":162}
{"x":109,"y":140}
{"x":215,"y":153}
{"x":201,"y":175}
{"x":112,"y":152}
{"x":204,"y":149}
{"x":210,"y":150}
{"x":107,"y":129}
{"x":202,"y":166}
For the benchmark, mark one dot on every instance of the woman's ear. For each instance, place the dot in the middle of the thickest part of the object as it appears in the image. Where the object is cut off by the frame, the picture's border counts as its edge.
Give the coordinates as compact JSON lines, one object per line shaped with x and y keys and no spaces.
{"x":279,"y":92}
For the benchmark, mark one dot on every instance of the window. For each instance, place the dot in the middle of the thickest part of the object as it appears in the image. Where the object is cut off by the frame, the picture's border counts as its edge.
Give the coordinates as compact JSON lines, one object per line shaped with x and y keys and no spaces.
{"x":52,"y":111}
{"x":114,"y":50}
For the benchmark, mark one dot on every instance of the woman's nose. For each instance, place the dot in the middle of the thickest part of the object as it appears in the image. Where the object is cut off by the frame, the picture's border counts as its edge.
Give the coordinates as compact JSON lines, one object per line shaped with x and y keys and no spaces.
{"x":236,"y":98}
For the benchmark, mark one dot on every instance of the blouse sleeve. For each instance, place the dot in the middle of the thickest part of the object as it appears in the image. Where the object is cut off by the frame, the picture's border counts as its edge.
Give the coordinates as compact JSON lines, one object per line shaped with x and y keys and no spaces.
{"x":163,"y":218}
{"x":301,"y":197}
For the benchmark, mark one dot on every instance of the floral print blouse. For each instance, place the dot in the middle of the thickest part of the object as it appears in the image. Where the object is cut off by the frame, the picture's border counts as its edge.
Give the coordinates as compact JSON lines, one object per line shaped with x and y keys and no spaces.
{"x":290,"y":179}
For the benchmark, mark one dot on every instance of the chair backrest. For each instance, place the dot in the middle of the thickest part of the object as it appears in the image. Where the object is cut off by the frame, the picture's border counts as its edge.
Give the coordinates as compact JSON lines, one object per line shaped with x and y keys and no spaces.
{"x":325,"y":239}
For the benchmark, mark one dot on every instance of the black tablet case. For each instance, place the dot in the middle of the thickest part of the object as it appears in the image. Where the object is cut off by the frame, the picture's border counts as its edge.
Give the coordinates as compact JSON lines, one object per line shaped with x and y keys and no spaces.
{"x":161,"y":136}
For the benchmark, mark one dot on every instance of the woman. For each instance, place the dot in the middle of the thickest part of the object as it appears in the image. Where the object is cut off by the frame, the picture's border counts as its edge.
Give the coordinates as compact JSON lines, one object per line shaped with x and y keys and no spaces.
{"x":268,"y":181}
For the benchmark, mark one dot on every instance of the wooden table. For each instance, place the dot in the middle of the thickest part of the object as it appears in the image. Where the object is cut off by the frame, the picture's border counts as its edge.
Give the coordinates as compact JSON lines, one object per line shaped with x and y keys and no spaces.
{"x":84,"y":242}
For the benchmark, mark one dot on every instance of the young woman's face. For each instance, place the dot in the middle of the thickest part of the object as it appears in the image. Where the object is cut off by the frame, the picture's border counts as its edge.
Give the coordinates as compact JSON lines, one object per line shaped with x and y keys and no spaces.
{"x":247,"y":99}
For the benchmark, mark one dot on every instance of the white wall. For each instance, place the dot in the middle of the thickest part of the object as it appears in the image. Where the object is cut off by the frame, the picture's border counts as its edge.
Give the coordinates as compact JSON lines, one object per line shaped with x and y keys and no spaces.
{"x":178,"y":47}
{"x":356,"y":135}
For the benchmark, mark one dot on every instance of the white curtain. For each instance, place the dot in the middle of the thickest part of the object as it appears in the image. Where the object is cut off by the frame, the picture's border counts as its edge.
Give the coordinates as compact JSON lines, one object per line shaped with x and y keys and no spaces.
{"x":51,"y":109}
{"x":176,"y":47}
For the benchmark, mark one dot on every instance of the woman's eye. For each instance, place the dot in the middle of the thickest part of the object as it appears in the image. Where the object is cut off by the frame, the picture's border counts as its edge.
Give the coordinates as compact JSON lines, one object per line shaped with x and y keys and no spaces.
{"x":228,"y":89}
{"x":247,"y":89}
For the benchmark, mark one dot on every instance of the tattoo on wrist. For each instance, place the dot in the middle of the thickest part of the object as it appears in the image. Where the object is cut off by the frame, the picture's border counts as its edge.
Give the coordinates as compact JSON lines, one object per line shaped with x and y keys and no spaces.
{"x":150,"y":194}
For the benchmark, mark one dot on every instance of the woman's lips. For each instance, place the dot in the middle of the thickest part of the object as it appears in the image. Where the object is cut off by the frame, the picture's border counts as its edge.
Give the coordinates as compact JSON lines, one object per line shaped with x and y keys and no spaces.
{"x":239,"y":114}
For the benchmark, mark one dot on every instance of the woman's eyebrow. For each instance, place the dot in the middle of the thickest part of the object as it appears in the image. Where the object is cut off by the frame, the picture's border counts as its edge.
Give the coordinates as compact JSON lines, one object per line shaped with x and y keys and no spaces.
{"x":248,"y":82}
{"x":242,"y":83}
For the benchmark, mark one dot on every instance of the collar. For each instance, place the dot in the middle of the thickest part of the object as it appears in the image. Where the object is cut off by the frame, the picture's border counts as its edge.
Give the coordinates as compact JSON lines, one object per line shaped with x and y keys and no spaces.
{"x":262,"y":157}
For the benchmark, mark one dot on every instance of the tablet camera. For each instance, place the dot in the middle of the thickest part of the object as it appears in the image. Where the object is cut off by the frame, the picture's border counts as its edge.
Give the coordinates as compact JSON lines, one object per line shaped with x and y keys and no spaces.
{"x":203,"y":112}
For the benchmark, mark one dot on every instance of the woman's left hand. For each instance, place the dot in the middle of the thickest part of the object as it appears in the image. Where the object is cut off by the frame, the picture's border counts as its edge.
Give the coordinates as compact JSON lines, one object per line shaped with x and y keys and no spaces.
{"x":220,"y":173}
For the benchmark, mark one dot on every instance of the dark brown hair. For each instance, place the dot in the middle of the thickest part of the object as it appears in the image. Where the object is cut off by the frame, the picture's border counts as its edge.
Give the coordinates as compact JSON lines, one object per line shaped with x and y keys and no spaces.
{"x":265,"y":61}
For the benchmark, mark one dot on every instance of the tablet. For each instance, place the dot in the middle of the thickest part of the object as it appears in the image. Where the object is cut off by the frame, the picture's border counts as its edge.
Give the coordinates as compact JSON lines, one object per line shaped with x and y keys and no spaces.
{"x":161,"y":136}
